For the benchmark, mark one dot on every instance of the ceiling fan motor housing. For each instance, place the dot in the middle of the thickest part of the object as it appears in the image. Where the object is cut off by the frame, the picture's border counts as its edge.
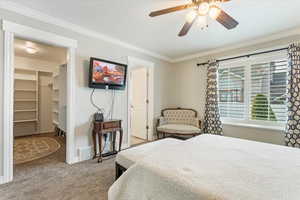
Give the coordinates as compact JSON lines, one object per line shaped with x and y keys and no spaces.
{"x":197,"y":2}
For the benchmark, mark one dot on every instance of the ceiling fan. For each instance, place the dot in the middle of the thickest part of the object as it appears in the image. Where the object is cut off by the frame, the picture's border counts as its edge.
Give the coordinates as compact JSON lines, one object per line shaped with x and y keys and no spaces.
{"x":200,"y":10}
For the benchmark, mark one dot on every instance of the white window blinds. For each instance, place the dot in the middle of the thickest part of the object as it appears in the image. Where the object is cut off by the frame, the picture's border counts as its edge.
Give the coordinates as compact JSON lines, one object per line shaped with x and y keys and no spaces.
{"x":254,"y":90}
{"x":231,"y":92}
{"x":268,"y":91}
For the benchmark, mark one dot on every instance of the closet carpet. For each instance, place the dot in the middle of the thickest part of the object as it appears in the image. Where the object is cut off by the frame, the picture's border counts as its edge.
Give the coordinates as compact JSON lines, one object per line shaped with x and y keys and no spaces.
{"x":27,"y":149}
{"x":51,"y":178}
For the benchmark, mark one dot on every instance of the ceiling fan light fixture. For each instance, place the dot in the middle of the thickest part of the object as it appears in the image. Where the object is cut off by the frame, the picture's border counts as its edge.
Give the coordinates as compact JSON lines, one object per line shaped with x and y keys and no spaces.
{"x":31,"y":50}
{"x":203,"y":8}
{"x":202,"y":22}
{"x":214,"y":12}
{"x":191,"y":16}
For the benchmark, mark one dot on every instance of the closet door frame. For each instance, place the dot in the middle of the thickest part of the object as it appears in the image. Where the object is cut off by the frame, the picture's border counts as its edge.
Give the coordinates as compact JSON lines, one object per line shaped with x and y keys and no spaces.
{"x":12,"y":30}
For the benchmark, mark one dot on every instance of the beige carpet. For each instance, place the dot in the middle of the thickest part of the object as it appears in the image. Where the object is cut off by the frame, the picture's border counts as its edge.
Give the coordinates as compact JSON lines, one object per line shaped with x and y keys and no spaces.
{"x":27,"y":149}
{"x":49,"y":178}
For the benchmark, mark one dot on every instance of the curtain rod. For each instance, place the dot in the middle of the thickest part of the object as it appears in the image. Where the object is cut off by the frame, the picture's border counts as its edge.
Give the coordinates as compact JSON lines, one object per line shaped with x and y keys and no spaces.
{"x":244,"y":56}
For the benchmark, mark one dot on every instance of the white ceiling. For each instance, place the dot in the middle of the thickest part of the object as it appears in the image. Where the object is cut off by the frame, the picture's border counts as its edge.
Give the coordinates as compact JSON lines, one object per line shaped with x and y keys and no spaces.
{"x":44,"y":51}
{"x":128,"y":21}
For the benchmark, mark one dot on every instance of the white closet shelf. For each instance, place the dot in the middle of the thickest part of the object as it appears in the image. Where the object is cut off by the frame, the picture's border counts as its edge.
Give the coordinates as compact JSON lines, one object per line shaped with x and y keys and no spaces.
{"x":27,"y":120}
{"x":55,"y":89}
{"x":25,"y":69}
{"x":24,"y":79}
{"x":55,"y":122}
{"x":32,"y":110}
{"x":25,"y":100}
{"x":32,"y":70}
{"x":25,"y":90}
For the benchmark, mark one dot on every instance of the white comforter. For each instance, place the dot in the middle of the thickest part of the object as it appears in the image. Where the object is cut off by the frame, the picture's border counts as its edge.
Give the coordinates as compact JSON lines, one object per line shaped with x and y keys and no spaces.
{"x":213,"y":168}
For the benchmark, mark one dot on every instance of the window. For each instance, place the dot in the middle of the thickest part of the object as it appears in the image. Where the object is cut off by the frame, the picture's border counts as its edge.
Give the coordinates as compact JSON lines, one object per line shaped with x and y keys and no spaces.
{"x":231,"y":92}
{"x":254,"y":91}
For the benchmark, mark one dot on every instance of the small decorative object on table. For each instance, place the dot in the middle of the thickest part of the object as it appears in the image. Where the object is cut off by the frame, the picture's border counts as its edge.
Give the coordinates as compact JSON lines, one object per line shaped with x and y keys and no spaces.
{"x":107,"y":127}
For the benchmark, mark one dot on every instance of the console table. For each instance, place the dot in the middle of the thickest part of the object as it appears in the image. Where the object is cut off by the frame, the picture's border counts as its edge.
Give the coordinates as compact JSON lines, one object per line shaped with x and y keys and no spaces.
{"x":107,"y":127}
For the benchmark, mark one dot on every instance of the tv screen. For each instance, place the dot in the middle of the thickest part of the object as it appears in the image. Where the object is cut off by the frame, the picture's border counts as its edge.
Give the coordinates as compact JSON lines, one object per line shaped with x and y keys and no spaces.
{"x":105,"y":73}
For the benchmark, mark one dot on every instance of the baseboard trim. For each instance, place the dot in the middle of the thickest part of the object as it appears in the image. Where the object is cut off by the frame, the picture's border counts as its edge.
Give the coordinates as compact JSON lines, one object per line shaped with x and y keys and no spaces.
{"x":4,"y":180}
{"x":87,"y":153}
{"x":33,"y":134}
{"x":75,"y":160}
{"x":125,"y":146}
{"x":43,"y":132}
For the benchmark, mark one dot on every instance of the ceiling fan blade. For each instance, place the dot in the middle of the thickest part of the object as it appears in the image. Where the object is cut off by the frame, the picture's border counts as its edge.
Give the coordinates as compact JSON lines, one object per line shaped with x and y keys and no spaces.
{"x":187,"y":26}
{"x":226,"y":20}
{"x":169,"y":10}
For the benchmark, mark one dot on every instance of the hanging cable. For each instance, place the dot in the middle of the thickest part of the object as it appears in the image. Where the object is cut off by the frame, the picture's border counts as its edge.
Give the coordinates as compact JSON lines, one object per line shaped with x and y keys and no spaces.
{"x":101,"y":110}
{"x":113,"y":105}
{"x":110,"y":112}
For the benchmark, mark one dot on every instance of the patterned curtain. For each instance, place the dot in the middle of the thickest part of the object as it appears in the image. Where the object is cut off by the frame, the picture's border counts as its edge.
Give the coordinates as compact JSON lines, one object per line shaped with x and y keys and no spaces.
{"x":292,"y":137}
{"x":212,"y":122}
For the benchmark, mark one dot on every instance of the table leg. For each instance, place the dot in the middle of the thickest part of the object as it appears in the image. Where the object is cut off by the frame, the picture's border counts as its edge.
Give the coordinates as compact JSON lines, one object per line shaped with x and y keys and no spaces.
{"x":121,"y":138}
{"x":95,"y":144}
{"x":100,"y":147}
{"x":114,"y":134}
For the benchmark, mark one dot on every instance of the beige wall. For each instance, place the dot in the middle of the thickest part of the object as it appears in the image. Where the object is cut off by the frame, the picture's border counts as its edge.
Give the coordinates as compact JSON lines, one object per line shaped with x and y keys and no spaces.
{"x":191,"y":85}
{"x":256,"y":134}
{"x":91,"y":47}
{"x":1,"y":108}
{"x":36,"y":64}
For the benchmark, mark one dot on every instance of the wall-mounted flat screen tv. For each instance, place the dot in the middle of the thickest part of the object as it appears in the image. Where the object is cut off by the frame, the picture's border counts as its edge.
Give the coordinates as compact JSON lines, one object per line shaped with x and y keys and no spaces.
{"x":107,"y":74}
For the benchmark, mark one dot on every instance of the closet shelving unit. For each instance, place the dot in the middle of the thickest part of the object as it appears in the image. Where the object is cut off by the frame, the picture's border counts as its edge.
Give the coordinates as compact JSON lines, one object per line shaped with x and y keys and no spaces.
{"x":59,"y":100}
{"x":55,"y":100}
{"x":26,"y":103}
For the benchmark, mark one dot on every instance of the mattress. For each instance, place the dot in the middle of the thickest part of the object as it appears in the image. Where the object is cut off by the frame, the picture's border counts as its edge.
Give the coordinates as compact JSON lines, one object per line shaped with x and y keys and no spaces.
{"x":130,"y":156}
{"x":213,"y":168}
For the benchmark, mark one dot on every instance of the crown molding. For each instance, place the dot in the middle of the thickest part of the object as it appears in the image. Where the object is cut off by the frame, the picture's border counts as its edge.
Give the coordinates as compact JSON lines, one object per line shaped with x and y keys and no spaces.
{"x":260,"y":40}
{"x":36,"y":34}
{"x":37,"y":15}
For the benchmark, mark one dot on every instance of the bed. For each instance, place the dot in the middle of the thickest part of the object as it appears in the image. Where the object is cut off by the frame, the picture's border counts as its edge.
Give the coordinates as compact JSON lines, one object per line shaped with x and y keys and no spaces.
{"x":211,"y":167}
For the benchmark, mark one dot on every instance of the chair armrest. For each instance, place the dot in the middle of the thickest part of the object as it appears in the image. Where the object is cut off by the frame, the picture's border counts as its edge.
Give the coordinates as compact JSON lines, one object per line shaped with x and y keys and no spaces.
{"x":197,"y":122}
{"x":200,"y":123}
{"x":157,"y":122}
{"x":161,"y":121}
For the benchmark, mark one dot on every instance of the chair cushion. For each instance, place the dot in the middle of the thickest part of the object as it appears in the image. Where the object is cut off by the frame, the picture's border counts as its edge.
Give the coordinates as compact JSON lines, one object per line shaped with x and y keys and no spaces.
{"x":129,"y":157}
{"x":178,"y":129}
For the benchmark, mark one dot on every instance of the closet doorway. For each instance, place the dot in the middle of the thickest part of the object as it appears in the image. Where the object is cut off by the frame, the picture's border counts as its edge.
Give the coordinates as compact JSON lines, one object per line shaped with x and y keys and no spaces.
{"x":140,"y":101}
{"x":39,"y":125}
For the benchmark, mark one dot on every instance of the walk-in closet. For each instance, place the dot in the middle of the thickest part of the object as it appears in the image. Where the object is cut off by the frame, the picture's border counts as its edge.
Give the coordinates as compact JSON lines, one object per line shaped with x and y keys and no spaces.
{"x":39,"y":103}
